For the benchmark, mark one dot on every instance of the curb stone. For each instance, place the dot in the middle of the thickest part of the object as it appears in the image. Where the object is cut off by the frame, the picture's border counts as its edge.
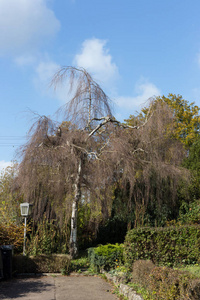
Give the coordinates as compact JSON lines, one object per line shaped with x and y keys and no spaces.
{"x":124,"y":289}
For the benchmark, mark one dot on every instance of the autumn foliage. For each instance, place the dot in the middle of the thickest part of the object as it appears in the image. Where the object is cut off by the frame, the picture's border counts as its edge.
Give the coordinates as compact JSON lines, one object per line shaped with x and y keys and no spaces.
{"x":12,"y":234}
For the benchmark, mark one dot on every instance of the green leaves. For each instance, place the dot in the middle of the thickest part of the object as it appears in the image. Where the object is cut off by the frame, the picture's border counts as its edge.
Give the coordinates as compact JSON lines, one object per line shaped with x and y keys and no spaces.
{"x":169,"y":246}
{"x":105,"y":256}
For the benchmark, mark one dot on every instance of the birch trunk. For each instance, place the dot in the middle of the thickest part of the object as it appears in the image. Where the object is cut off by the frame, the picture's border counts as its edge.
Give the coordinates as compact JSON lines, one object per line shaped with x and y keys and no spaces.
{"x":73,"y":248}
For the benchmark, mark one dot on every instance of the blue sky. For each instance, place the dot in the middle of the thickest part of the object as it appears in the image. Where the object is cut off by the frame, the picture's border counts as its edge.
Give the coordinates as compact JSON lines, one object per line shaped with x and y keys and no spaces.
{"x":135,"y":49}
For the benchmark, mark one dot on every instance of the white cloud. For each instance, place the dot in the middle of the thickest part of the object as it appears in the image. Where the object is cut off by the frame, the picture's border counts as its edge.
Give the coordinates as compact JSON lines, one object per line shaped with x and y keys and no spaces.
{"x":45,"y":71}
{"x":144,"y":91}
{"x":25,"y":60}
{"x":95,"y":58}
{"x":25,"y":23}
{"x":4,"y":164}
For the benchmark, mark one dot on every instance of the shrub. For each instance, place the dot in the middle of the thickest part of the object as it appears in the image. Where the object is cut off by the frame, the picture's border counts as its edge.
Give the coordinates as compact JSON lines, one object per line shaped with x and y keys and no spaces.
{"x":194,"y":291}
{"x":168,"y":246}
{"x":12,"y":234}
{"x":54,"y":263}
{"x":164,"y":282}
{"x":141,"y":271}
{"x":169,"y":284}
{"x":190,"y":213}
{"x":79,"y":264}
{"x":105,"y":256}
{"x":48,"y":238}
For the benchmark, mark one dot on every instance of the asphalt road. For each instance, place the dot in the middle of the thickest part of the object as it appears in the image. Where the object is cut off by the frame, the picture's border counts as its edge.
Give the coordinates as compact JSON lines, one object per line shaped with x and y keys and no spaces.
{"x":57,"y":288}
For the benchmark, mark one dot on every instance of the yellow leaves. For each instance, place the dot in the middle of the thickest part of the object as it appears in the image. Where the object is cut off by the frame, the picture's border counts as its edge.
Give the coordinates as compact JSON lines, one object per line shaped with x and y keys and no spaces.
{"x":12,"y":234}
{"x":186,"y":117}
{"x":9,"y":200}
{"x":138,"y":174}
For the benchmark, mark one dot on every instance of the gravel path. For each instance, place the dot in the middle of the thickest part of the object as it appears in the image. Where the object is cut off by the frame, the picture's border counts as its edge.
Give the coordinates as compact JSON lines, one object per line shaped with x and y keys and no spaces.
{"x":57,"y":288}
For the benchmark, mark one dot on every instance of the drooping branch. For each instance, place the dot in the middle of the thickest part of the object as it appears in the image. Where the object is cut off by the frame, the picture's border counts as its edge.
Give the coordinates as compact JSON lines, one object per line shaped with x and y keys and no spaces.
{"x":89,"y":100}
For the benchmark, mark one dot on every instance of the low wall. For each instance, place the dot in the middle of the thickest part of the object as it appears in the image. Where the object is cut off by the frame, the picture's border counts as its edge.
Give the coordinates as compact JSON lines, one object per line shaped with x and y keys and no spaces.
{"x":124,"y":289}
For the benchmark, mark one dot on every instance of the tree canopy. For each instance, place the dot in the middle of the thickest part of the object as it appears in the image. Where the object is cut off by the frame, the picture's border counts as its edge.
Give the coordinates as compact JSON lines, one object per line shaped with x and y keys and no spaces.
{"x":185,"y":117}
{"x":84,"y":156}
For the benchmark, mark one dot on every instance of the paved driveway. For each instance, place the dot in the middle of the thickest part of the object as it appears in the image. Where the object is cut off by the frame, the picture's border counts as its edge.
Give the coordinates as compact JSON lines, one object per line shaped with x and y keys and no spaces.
{"x":57,"y":288}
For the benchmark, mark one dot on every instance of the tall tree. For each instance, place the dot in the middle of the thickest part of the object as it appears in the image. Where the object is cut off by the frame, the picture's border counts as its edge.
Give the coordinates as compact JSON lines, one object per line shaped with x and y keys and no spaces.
{"x":61,"y":160}
{"x":81,"y":158}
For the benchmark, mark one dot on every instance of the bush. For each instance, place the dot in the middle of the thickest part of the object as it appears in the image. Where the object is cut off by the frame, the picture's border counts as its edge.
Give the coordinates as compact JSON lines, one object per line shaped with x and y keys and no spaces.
{"x":141,"y":271}
{"x":79,"y":264}
{"x":12,"y":234}
{"x":48,"y":238}
{"x":190,"y":213}
{"x":164,"y":282}
{"x":194,"y":291}
{"x":105,"y":256}
{"x":54,"y":263}
{"x":168,"y":246}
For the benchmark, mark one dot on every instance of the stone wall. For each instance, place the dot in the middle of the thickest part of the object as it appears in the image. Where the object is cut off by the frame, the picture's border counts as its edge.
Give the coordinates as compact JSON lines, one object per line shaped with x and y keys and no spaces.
{"x":124,"y":289}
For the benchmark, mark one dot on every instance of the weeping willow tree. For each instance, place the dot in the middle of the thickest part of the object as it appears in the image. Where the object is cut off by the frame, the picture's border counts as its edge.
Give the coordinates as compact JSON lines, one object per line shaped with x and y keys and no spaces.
{"x":60,"y":161}
{"x":88,"y":151}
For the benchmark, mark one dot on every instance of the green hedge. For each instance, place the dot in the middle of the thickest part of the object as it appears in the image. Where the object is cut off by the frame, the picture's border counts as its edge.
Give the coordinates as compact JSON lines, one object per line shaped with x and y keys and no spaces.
{"x":105,"y":256}
{"x":169,"y":246}
{"x":54,"y":263}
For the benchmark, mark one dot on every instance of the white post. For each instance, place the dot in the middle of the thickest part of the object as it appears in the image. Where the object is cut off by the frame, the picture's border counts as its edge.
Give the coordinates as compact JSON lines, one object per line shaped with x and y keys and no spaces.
{"x":24,"y":247}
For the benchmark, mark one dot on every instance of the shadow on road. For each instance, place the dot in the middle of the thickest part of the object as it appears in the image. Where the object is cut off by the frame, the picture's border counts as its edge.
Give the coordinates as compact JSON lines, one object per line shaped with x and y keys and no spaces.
{"x":57,"y":287}
{"x":18,"y":288}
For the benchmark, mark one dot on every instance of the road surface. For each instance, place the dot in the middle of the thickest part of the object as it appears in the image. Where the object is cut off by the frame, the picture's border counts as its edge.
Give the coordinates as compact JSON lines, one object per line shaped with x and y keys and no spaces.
{"x":57,"y":288}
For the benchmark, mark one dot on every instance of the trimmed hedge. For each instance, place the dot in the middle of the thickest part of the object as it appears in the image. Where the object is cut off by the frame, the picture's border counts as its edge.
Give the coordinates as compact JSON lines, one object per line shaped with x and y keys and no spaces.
{"x":169,"y":245}
{"x":54,"y":263}
{"x":105,"y":257}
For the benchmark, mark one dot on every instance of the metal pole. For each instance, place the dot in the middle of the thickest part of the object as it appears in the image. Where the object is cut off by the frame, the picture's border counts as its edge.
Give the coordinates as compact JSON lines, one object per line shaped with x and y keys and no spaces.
{"x":24,"y":247}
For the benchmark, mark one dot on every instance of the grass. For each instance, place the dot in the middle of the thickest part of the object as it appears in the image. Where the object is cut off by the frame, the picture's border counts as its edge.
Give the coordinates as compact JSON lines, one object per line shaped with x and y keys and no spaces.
{"x":120,"y":296}
{"x":141,"y":291}
{"x":193,"y":269}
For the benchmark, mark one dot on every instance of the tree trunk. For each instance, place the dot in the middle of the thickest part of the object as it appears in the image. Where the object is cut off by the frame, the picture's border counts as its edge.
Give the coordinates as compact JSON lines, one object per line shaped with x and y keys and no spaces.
{"x":73,"y":247}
